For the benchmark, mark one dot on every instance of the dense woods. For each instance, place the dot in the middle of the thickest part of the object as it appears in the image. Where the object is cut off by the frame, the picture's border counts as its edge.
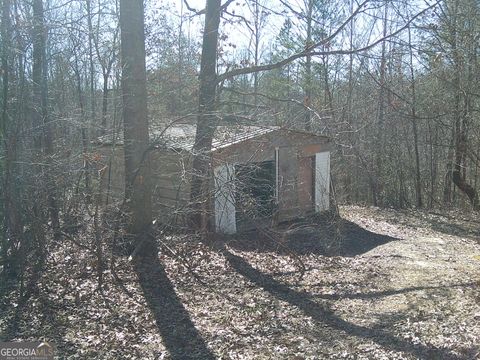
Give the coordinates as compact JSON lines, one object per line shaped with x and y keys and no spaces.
{"x":395,"y":85}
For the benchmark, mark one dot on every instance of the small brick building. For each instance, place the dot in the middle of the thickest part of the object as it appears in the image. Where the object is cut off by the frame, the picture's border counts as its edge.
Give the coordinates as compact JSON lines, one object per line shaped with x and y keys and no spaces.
{"x":258,"y":173}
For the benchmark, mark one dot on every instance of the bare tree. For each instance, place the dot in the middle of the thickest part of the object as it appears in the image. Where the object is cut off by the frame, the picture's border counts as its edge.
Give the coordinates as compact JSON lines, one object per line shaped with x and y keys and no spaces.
{"x":207,"y":117}
{"x":414,"y":119}
{"x":44,"y":138}
{"x":9,"y":211}
{"x":135,"y":120}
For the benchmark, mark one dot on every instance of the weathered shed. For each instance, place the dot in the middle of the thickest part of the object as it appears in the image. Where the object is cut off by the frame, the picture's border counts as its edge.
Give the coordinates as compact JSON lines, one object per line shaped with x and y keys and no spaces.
{"x":259,"y":173}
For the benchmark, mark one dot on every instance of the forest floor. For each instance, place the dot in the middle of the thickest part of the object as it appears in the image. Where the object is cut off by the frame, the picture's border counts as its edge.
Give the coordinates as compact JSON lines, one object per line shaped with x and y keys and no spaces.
{"x":379,"y":284}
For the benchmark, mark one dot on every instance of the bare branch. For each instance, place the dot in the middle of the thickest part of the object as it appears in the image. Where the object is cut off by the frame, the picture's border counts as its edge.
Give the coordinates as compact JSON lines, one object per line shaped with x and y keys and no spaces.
{"x":309,"y":50}
{"x":197,"y":12}
{"x":202,"y":12}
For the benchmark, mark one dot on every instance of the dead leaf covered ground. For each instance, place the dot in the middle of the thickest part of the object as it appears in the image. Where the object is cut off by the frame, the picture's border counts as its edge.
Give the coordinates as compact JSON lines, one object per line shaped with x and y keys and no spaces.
{"x":409,"y":290}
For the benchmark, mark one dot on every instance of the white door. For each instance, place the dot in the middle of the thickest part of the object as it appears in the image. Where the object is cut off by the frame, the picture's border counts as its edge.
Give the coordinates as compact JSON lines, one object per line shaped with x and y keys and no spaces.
{"x":322,"y":181}
{"x":224,"y":177}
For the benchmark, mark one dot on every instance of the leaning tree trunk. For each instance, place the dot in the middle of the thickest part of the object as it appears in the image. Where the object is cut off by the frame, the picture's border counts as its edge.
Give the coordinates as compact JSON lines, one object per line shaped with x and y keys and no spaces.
{"x":135,"y":120}
{"x":462,"y":116}
{"x":458,"y":177}
{"x":206,"y":119}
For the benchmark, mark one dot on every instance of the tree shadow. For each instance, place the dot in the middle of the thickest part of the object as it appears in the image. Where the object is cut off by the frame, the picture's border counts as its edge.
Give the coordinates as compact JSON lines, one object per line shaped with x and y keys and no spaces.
{"x":178,"y":332}
{"x":53,"y":329}
{"x":323,"y":236}
{"x":450,"y":228}
{"x":462,"y":225}
{"x":378,"y":294}
{"x":322,"y":314}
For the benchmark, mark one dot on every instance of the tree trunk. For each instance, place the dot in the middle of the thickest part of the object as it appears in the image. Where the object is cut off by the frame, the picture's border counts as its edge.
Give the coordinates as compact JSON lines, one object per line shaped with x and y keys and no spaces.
{"x":83,"y":130}
{"x":308,"y":70}
{"x":90,"y":60}
{"x":447,"y":186}
{"x":418,"y":183}
{"x":351,"y":167}
{"x":206,"y":119}
{"x":104,"y":103}
{"x":379,"y":148}
{"x":462,"y":115}
{"x":44,"y":138}
{"x":459,"y":176}
{"x":433,"y":138}
{"x":11,"y":231}
{"x":135,"y":120}
{"x":257,"y":17}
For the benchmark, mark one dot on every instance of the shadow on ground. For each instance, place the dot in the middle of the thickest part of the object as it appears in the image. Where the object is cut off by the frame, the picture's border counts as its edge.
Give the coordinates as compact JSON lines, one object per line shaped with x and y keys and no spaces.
{"x":178,"y":332}
{"x":320,"y":235}
{"x":385,"y":293}
{"x":449,"y":227}
{"x":19,"y":319}
{"x":460,"y":224}
{"x":323,"y":315}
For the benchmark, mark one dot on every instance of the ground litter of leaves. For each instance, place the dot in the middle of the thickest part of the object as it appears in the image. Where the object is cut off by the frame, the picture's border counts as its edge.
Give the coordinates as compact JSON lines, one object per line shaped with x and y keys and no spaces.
{"x":379,"y":284}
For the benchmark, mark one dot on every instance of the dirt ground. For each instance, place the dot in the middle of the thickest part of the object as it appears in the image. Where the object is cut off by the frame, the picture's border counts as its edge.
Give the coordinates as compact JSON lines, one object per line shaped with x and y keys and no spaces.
{"x":380,"y":284}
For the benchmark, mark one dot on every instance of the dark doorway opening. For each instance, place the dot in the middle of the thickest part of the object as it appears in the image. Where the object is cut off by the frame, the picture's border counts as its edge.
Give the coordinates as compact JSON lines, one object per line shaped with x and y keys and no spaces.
{"x":306,"y":183}
{"x":254,"y":193}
